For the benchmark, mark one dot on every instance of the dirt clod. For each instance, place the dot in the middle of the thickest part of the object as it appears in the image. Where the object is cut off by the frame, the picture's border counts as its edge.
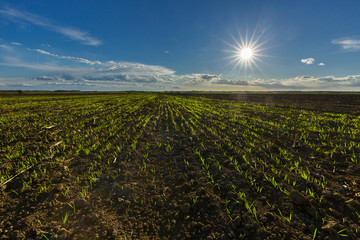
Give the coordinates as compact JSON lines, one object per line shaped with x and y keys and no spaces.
{"x":299,"y":199}
{"x":80,"y":203}
{"x":185,"y":208}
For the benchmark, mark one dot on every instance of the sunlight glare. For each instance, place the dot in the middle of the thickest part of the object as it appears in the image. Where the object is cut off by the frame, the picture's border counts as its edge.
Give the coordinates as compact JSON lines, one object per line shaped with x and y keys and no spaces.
{"x":246,"y":53}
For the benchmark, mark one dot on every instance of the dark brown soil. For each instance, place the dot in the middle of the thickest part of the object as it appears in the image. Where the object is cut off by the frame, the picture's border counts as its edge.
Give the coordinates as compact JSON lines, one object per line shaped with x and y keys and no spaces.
{"x":160,"y":190}
{"x":326,"y":102}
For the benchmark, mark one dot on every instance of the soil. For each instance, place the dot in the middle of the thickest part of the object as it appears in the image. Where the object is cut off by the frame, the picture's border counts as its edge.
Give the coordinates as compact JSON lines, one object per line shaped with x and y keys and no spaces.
{"x":167,"y":195}
{"x":326,"y":102}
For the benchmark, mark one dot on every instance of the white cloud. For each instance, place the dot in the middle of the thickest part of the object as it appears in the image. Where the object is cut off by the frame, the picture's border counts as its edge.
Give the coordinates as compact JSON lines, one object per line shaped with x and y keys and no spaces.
{"x":6,"y":47}
{"x":76,"y":34}
{"x":70,"y":32}
{"x":18,"y":85}
{"x":76,"y":59}
{"x":321,"y":64}
{"x":47,"y":78}
{"x":308,"y":60}
{"x":348,"y":44}
{"x":232,"y":82}
{"x":15,"y":61}
{"x":123,"y":78}
{"x":137,"y":71}
{"x":199,"y":78}
{"x":16,"y":43}
{"x":131,"y":68}
{"x":207,"y":80}
{"x":311,"y":83}
{"x":41,"y":51}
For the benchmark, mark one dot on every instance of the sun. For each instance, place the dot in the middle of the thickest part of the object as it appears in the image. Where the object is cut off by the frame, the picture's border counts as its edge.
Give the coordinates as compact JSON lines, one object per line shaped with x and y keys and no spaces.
{"x":246,"y":53}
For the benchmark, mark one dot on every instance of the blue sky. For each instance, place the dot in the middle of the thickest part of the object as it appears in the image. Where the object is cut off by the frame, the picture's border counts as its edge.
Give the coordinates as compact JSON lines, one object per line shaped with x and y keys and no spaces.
{"x":179,"y":45}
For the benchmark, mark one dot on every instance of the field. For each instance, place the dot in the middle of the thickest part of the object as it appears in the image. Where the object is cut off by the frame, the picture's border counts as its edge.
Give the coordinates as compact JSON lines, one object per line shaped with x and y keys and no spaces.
{"x":179,"y":166}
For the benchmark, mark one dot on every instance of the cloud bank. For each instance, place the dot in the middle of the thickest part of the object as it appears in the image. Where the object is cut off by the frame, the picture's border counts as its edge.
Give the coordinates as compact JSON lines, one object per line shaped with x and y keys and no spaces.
{"x":182,"y":82}
{"x":304,"y":82}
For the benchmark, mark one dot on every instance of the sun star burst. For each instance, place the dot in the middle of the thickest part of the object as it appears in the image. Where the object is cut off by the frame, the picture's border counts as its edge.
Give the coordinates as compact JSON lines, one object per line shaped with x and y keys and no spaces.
{"x":245,"y":53}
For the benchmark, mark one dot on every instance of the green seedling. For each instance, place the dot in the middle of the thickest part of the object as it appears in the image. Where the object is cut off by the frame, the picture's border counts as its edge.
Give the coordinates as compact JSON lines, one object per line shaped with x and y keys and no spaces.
{"x":194,"y":199}
{"x":72,"y":206}
{"x":83,"y":193}
{"x":65,"y":218}
{"x":340,"y":233}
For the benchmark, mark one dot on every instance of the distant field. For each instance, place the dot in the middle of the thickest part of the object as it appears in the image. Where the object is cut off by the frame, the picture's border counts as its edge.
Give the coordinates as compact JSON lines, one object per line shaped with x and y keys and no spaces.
{"x":179,"y":166}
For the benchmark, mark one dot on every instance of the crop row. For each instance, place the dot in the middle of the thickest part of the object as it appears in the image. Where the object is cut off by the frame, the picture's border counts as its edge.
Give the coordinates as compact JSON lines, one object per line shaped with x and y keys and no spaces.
{"x":252,"y":160}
